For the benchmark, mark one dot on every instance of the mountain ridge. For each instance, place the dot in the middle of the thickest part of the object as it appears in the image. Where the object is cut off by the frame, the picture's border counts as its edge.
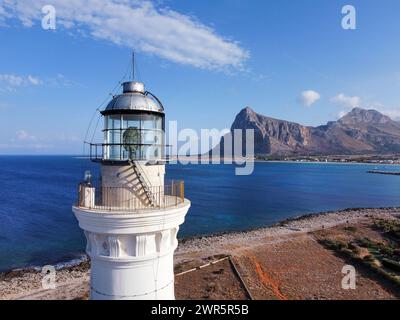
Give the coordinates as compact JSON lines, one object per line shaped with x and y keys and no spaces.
{"x":360,"y":131}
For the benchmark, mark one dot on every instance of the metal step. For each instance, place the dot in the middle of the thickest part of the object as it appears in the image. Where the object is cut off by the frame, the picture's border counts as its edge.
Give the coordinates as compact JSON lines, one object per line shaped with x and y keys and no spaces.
{"x":145,"y":187}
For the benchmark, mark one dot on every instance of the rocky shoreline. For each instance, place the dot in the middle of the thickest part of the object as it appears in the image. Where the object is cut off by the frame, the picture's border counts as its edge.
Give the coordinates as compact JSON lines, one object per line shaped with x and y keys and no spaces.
{"x":73,"y":280}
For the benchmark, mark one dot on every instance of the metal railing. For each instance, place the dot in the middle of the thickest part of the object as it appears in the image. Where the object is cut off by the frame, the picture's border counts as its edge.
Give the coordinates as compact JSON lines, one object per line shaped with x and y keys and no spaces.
{"x":130,"y":199}
{"x":118,"y":151}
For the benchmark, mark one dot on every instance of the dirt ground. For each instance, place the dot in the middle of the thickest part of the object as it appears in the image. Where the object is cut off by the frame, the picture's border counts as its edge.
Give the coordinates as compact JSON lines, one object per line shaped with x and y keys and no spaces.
{"x":283,"y":262}
{"x":216,"y":282}
{"x":294,"y":266}
{"x":296,"y":269}
{"x":302,"y":269}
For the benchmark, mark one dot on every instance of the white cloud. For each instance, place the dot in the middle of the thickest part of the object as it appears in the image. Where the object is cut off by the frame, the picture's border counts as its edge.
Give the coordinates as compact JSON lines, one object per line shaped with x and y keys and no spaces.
{"x":10,"y":82}
{"x":61,"y":81}
{"x":137,"y":24}
{"x":22,"y":135}
{"x":347,"y":101}
{"x":24,"y":142}
{"x":33,"y":80}
{"x":309,"y":97}
{"x":3,"y":16}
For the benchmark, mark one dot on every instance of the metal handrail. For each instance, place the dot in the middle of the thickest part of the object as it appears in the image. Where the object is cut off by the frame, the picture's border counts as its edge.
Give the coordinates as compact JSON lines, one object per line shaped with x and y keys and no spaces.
{"x":127,"y":144}
{"x":96,"y":155}
{"x":142,"y":172}
{"x":130,"y":199}
{"x":142,"y":177}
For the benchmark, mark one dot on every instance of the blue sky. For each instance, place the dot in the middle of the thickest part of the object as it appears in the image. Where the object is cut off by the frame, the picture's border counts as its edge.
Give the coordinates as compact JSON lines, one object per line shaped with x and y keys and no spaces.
{"x":206,"y":60}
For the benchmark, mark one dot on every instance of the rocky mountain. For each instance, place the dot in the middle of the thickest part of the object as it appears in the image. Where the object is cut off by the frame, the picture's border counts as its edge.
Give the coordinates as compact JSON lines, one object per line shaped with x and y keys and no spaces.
{"x":358,"y":132}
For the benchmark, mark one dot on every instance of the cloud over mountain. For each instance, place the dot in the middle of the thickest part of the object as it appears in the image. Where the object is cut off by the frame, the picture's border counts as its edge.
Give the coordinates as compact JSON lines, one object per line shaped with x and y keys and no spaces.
{"x":347,"y":101}
{"x":309,"y":97}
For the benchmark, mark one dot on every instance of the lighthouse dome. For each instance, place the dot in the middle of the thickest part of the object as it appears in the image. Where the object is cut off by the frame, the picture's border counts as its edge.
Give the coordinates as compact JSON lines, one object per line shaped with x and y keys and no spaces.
{"x":135,"y":98}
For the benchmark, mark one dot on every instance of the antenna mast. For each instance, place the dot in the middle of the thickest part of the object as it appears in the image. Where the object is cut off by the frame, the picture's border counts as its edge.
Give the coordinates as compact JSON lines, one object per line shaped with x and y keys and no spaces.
{"x":133,"y":65}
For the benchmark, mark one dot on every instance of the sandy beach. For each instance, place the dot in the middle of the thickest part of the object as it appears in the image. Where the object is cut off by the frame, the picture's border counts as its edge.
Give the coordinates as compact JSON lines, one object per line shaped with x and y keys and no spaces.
{"x":284,"y":261}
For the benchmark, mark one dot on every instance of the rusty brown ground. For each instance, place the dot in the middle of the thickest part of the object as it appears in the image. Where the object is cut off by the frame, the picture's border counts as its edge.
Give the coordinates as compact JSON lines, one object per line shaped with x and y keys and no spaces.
{"x":297,"y":267}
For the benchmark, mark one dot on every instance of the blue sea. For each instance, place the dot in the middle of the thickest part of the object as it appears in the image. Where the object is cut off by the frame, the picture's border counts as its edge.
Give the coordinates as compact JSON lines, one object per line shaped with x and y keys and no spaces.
{"x":37,"y":225}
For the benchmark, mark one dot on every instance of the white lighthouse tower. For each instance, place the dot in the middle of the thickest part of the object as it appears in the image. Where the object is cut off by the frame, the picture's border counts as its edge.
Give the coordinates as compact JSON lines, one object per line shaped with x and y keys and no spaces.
{"x":132,"y":217}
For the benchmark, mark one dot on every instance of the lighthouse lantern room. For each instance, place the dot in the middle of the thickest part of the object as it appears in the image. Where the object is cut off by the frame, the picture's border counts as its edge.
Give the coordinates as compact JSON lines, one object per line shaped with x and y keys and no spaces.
{"x":132,"y":216}
{"x":134,"y":126}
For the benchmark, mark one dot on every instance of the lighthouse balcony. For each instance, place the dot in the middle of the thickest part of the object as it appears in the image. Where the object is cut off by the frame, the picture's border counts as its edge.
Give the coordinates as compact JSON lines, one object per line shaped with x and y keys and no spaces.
{"x":130,"y":199}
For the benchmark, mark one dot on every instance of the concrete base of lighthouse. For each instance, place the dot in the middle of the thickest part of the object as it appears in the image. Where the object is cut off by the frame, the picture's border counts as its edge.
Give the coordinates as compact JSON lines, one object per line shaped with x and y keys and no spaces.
{"x":132,"y":253}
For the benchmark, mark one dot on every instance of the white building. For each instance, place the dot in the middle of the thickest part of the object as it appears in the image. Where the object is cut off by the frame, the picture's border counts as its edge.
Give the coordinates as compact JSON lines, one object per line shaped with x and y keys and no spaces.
{"x":131,"y":219}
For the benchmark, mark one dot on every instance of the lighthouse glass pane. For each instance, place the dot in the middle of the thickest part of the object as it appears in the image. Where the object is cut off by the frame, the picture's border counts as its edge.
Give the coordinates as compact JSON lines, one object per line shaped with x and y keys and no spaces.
{"x":152,"y":143}
{"x":112,"y":135}
{"x":115,"y":141}
{"x":105,"y":123}
{"x":148,"y":122}
{"x":159,"y":123}
{"x":152,"y":136}
{"x":115,"y":122}
{"x":148,"y":137}
{"x":130,"y":121}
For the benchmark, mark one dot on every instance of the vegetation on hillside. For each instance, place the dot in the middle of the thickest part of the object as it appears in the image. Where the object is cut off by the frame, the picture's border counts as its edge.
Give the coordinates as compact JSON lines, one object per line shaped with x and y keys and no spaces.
{"x":382,"y":257}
